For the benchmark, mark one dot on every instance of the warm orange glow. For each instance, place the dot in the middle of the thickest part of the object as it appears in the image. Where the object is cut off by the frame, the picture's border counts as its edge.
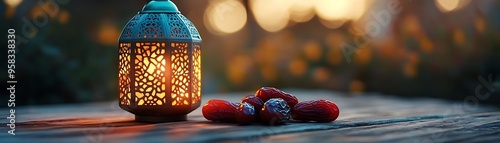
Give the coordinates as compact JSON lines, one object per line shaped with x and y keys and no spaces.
{"x":356,"y":86}
{"x":225,"y":16}
{"x":426,"y":45}
{"x":459,"y":37}
{"x":363,"y":56}
{"x":108,"y":34}
{"x":180,"y":74}
{"x":480,"y":25}
{"x":271,"y":15}
{"x":321,"y":74}
{"x":414,"y":58}
{"x":64,"y":17}
{"x":150,"y":73}
{"x":410,"y":70}
{"x":123,"y":73}
{"x":269,"y":72}
{"x":297,"y":67}
{"x":313,"y":51}
{"x":334,"y":57}
{"x":197,"y":74}
{"x":237,"y":69}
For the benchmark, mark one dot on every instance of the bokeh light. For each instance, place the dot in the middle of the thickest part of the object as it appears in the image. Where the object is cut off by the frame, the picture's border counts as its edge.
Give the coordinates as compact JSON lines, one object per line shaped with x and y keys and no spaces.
{"x":11,"y":7}
{"x":447,"y":5}
{"x":12,"y":3}
{"x":357,"y":9}
{"x":271,"y":15}
{"x":333,"y":13}
{"x":312,"y":51}
{"x":237,"y":69}
{"x":356,"y":87}
{"x":297,"y":67}
{"x":331,"y":10}
{"x":363,"y":56}
{"x":225,"y":16}
{"x":301,"y":10}
{"x":480,"y":25}
{"x":107,"y":33}
{"x":459,"y":37}
{"x":321,"y":74}
{"x":64,"y":16}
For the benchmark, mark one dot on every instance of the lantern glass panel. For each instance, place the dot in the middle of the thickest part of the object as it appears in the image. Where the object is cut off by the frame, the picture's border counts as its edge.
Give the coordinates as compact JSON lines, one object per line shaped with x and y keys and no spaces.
{"x":123,"y":73}
{"x":150,"y":73}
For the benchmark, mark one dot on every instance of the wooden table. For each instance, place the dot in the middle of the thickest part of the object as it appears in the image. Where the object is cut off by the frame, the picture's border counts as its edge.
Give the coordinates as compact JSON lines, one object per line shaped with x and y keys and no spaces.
{"x":363,"y":118}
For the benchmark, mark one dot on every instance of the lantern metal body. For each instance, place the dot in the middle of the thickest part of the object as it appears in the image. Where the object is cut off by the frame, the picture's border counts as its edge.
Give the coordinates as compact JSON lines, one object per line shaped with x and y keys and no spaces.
{"x":159,"y":64}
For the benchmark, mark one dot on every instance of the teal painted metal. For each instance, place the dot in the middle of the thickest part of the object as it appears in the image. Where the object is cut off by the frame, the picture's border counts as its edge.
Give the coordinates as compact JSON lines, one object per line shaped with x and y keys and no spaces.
{"x":160,"y":6}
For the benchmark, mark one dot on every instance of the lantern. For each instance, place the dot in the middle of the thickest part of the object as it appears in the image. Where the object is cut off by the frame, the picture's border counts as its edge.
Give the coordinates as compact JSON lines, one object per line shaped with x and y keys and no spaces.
{"x":159,"y":77}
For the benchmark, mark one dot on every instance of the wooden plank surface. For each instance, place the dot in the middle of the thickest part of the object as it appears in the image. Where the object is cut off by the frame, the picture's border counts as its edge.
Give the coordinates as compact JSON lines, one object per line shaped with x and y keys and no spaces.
{"x":363,"y":118}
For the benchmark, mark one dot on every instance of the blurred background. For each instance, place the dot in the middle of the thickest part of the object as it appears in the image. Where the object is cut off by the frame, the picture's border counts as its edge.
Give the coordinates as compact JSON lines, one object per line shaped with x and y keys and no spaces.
{"x":408,"y":48}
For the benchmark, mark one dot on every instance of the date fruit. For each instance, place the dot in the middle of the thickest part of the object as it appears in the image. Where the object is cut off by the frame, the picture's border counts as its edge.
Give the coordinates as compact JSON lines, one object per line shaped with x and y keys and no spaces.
{"x":275,"y":111}
{"x":245,"y":113}
{"x":255,"y":101}
{"x":316,"y":110}
{"x":266,"y":93}
{"x":220,"y":110}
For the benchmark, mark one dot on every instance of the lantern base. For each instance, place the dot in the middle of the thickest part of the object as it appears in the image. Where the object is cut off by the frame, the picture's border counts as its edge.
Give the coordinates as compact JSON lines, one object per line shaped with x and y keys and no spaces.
{"x":156,"y":119}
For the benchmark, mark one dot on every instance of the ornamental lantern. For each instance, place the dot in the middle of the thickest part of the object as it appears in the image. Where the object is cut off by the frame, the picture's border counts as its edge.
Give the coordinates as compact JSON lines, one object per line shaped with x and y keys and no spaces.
{"x":159,"y":67}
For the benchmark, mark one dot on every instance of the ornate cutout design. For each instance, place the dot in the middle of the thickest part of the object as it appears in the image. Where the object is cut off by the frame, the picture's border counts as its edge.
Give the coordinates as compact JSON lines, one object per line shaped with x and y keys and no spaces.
{"x":157,"y":25}
{"x":128,"y":30}
{"x":180,"y":73}
{"x":124,"y":73}
{"x":151,"y":27}
{"x":177,"y":28}
{"x":190,"y":26}
{"x":196,"y":88}
{"x":150,"y":73}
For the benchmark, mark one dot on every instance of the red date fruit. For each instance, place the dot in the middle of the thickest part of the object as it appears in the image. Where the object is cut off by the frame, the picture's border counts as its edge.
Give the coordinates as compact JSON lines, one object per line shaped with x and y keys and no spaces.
{"x":255,"y":101}
{"x":245,"y":113}
{"x":219,"y":110}
{"x":316,"y":110}
{"x":266,"y":93}
{"x":275,"y":111}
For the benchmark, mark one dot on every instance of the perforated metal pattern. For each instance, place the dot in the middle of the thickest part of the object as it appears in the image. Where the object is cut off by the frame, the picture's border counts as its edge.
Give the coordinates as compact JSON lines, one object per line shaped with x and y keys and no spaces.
{"x":196,"y":73}
{"x":150,"y":73}
{"x":124,"y":73}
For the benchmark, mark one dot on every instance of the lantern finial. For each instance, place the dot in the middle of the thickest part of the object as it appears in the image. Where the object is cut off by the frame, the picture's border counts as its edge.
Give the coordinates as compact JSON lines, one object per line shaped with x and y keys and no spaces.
{"x":160,"y":6}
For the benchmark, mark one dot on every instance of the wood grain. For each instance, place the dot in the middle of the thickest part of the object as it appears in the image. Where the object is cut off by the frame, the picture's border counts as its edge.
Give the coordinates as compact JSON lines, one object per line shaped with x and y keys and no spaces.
{"x":363,"y":118}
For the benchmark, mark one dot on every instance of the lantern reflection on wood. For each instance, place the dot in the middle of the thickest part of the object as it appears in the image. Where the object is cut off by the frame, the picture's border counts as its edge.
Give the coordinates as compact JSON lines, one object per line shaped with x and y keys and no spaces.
{"x":159,"y":64}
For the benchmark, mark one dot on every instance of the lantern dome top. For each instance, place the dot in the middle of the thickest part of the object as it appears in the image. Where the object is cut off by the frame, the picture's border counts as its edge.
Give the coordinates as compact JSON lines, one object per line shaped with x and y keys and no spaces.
{"x":160,"y":20}
{"x":160,"y":6}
